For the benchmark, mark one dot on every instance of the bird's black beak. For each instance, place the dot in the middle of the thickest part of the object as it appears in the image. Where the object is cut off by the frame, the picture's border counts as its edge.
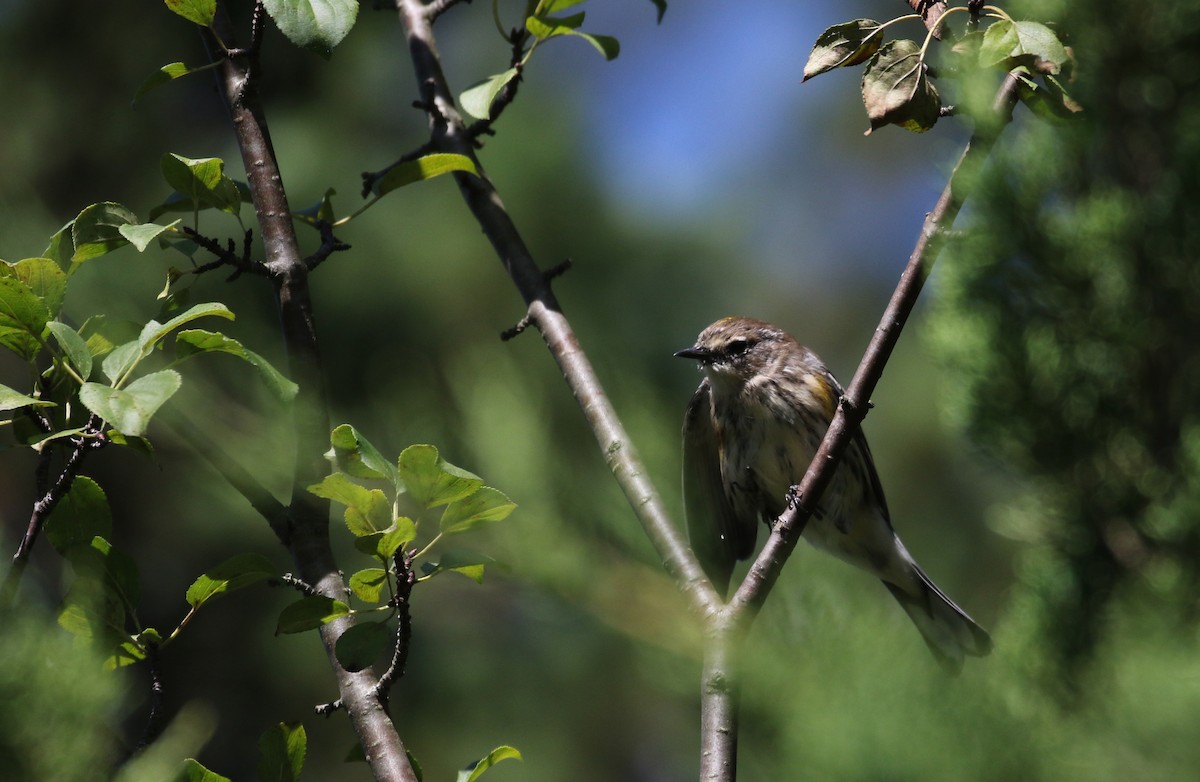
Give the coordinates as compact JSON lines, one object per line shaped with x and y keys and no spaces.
{"x":699,"y":354}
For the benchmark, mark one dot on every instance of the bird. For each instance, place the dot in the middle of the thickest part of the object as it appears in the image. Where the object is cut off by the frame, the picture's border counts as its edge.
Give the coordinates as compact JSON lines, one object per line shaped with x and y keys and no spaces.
{"x":750,"y":431}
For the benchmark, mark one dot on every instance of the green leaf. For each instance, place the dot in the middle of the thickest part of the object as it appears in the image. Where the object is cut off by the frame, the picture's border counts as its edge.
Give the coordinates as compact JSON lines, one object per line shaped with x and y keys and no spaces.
{"x":477,"y":99}
{"x":130,"y":409}
{"x":121,"y":359}
{"x":232,"y":574}
{"x":154,"y":331}
{"x":128,"y":652}
{"x":96,"y":231}
{"x":202,"y":182}
{"x":195,"y":341}
{"x":425,"y":167}
{"x":896,"y":88}
{"x":544,"y":27}
{"x":362,"y":644}
{"x":43,"y":276}
{"x":106,"y":586}
{"x":11,"y":399}
{"x":179,"y":203}
{"x":199,"y":11}
{"x":23,"y":316}
{"x":842,"y":45}
{"x":1009,"y":44}
{"x":192,"y":771}
{"x":354,"y":455}
{"x":431,"y":480}
{"x":466,"y":563}
{"x":661,"y":5}
{"x":1050,"y":102}
{"x":80,"y":516}
{"x":141,"y":235}
{"x":164,"y":75}
{"x":368,"y":584}
{"x":385,"y":544}
{"x":473,"y":771}
{"x":73,"y":346}
{"x":316,"y":25}
{"x":367,"y":510}
{"x":310,"y":613}
{"x":321,"y":211}
{"x":61,"y":246}
{"x":485,"y":505}
{"x":281,"y":751}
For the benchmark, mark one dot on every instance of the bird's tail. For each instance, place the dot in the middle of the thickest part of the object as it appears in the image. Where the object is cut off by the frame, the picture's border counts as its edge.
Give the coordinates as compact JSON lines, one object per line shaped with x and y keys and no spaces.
{"x":947,"y":629}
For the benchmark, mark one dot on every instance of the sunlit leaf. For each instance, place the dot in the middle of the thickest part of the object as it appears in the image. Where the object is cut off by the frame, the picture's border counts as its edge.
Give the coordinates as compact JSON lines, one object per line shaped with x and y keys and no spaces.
{"x":141,"y":235}
{"x":546,"y":27}
{"x":43,"y":276}
{"x":317,"y":25}
{"x":425,"y":167}
{"x":199,"y":11}
{"x":431,"y":480}
{"x":367,"y":510}
{"x":483,"y":506}
{"x":843,"y":45}
{"x":23,"y":316}
{"x":130,"y":409}
{"x":164,"y":75}
{"x":232,"y":574}
{"x":368,"y":584}
{"x":281,"y":751}
{"x":192,"y":771}
{"x":475,"y":770}
{"x":477,"y":99}
{"x":353,"y":454}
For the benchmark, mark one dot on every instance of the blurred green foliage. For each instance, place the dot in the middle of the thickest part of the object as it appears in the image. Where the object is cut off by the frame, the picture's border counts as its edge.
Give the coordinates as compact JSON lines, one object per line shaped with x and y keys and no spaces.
{"x":1068,"y":316}
{"x":1062,"y":326}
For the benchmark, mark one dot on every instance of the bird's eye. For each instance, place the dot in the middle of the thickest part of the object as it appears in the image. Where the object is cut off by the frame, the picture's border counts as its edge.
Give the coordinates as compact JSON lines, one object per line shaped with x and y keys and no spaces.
{"x":737,"y":347}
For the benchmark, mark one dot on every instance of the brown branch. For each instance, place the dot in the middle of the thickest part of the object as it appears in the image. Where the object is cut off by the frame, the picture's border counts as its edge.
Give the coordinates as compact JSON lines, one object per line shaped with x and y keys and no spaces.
{"x":84,"y":444}
{"x":307,"y":533}
{"x":450,"y":134}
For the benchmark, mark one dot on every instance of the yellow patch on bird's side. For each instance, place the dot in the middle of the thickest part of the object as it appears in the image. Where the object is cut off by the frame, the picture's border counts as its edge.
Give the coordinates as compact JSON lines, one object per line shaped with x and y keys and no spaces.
{"x":822,"y":392}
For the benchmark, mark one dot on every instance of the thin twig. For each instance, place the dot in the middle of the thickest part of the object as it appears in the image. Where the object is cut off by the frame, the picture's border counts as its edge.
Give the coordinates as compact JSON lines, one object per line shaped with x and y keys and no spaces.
{"x":406,"y":579}
{"x":89,"y":440}
{"x":330,"y":244}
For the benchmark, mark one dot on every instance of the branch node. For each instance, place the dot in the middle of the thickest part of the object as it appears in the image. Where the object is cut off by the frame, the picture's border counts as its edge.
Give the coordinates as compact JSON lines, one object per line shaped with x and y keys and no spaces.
{"x":557,"y":270}
{"x":289,"y":580}
{"x":514,"y":331}
{"x":326,"y":709}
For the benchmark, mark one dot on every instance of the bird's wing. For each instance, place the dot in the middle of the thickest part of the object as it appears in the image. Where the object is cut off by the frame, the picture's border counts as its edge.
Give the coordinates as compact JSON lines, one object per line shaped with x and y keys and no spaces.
{"x":718,"y":537}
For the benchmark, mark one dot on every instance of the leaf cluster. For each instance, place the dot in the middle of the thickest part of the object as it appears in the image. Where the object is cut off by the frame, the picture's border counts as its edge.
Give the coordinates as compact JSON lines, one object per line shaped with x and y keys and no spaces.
{"x":387,"y":503}
{"x":898,"y":86}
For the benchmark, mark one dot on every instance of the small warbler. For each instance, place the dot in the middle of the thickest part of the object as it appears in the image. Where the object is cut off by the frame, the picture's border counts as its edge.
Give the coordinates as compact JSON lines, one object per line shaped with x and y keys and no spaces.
{"x":749,"y":434}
